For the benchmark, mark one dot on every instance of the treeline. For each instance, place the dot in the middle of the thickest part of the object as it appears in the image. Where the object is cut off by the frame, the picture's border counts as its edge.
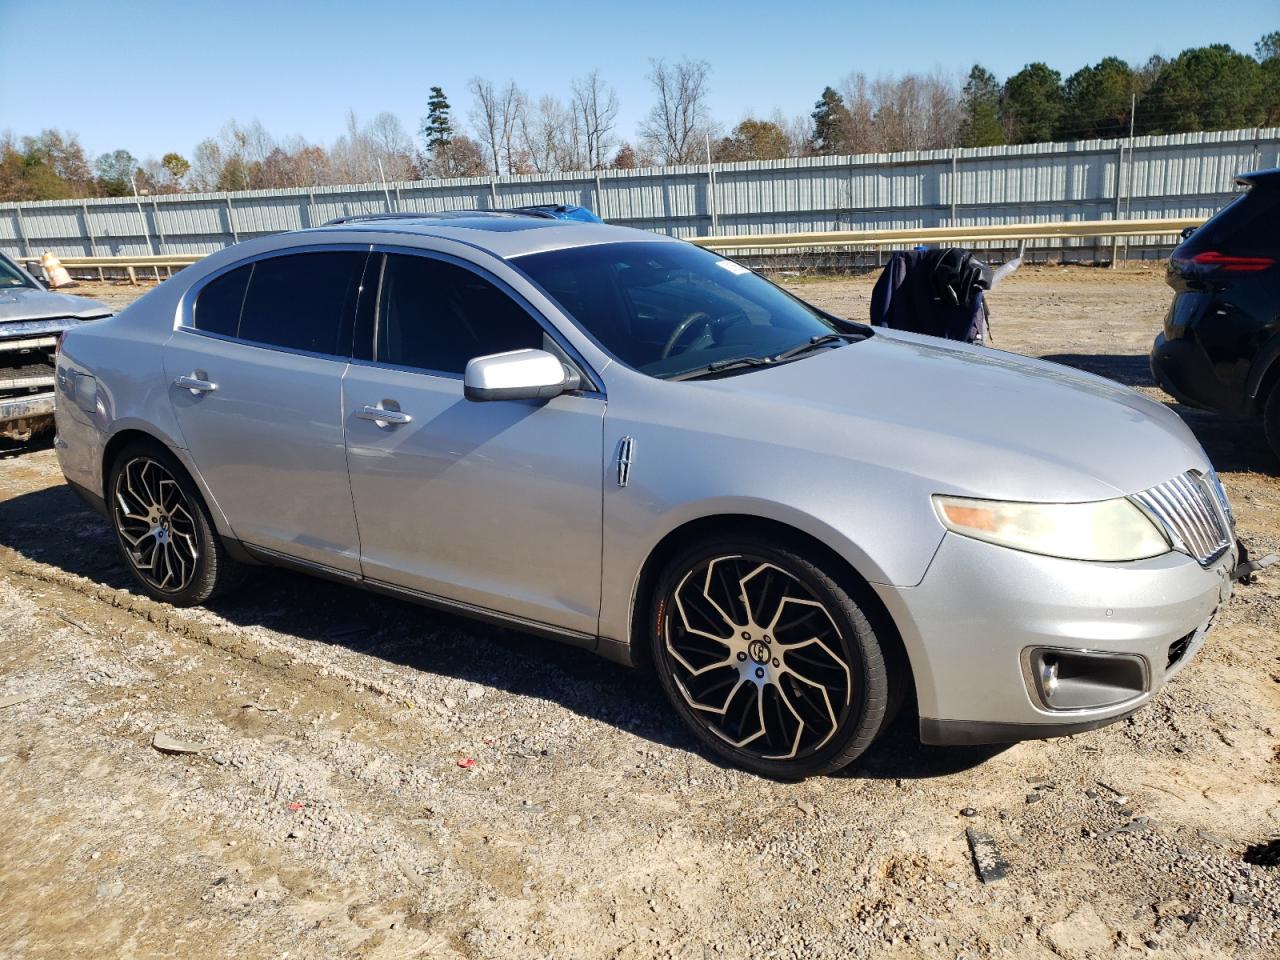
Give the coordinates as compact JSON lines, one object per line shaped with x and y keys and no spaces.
{"x":508,"y":130}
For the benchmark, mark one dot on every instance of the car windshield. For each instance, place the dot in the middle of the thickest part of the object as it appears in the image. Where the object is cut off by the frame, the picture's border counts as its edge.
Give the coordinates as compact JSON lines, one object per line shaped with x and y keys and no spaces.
{"x":11,"y":276}
{"x":667,"y":309}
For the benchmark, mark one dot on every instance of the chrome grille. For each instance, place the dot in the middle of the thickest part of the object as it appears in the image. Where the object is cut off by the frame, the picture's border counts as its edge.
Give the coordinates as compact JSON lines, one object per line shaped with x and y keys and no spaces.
{"x":1192,"y":514}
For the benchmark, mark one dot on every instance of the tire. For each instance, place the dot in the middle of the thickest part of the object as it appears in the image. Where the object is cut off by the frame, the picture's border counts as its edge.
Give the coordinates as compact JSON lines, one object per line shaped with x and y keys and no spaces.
{"x":803,"y":692}
{"x":1271,"y":419}
{"x":163,"y":529}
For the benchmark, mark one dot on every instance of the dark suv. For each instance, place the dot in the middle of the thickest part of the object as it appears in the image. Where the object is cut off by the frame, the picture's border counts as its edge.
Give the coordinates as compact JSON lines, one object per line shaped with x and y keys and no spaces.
{"x":1220,"y":348}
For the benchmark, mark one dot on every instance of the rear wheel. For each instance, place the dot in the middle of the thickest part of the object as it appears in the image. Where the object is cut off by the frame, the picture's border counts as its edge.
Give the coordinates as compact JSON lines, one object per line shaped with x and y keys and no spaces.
{"x":771,"y":662}
{"x":164,"y":530}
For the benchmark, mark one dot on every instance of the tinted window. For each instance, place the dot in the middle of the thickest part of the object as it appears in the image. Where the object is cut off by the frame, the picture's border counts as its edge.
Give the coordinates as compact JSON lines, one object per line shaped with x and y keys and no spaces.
{"x":435,"y":315}
{"x":218,"y":307}
{"x":1246,"y":225}
{"x":667,"y":308}
{"x":301,"y":301}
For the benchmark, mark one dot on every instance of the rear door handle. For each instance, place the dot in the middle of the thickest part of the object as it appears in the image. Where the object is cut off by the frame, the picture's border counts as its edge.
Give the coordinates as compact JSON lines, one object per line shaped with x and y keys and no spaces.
{"x":381,"y":414}
{"x":196,"y":383}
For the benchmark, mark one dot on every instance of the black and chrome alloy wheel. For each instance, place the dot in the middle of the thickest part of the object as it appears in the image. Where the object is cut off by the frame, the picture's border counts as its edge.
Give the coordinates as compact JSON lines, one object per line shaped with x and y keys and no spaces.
{"x":156,"y":525}
{"x":768,"y":659}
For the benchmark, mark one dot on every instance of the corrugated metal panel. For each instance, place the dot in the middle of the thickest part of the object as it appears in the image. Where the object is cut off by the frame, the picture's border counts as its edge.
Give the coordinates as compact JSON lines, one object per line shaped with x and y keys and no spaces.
{"x":1172,"y":176}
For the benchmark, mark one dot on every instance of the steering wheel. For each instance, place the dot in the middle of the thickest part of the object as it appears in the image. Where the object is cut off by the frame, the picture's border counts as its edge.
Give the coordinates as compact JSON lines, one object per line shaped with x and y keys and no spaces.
{"x":683,"y":327}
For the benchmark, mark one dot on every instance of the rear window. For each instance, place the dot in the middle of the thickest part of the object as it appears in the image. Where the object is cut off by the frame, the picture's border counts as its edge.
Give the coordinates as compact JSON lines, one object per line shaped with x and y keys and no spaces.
{"x":1249,"y":224}
{"x":301,"y":301}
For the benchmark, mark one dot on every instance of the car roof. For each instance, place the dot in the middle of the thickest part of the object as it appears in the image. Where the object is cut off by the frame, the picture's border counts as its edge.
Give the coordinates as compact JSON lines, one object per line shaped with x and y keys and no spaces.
{"x":1269,"y":177}
{"x":503,"y":234}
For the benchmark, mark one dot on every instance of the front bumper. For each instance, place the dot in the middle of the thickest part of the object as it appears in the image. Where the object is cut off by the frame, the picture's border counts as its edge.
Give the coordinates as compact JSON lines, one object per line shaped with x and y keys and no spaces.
{"x":970,"y":623}
{"x":22,"y":416}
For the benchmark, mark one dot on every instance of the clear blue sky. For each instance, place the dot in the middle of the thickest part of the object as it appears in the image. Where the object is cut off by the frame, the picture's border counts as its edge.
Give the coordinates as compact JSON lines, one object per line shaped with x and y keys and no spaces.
{"x":151,"y":77}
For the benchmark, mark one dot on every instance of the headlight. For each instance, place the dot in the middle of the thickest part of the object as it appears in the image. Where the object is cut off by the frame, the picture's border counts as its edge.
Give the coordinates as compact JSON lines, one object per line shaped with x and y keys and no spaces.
{"x":1103,"y":530}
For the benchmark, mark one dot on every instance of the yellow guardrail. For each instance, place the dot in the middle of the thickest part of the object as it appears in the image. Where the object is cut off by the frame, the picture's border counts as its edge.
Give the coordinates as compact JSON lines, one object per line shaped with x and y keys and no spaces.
{"x":966,"y":234}
{"x":1115,"y":229}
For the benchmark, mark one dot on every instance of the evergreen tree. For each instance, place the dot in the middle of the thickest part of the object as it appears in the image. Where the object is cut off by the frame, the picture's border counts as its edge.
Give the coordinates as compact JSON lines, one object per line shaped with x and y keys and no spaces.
{"x":1098,"y":100}
{"x":980,"y":104}
{"x":1205,"y":88}
{"x":1268,"y":51}
{"x":115,"y":173}
{"x":437,"y":128}
{"x":832,"y":125}
{"x":1033,"y":103}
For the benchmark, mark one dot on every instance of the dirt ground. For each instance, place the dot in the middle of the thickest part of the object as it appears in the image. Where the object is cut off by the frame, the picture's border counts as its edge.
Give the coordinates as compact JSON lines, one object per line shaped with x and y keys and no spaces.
{"x":327,"y":813}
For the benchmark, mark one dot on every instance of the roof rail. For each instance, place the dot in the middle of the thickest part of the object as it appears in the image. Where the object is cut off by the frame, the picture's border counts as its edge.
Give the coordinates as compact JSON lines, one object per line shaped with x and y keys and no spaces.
{"x":426,"y":215}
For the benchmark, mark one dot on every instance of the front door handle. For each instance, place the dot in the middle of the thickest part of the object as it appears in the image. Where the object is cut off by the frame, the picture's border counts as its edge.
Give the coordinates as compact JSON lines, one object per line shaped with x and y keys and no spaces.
{"x":196,"y":383}
{"x":383,"y":414}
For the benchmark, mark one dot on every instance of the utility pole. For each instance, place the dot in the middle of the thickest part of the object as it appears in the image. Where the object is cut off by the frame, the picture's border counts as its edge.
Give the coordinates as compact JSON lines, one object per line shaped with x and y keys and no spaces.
{"x":133,"y":181}
{"x":383,"y":177}
{"x":1128,"y":190}
{"x":711,"y":189}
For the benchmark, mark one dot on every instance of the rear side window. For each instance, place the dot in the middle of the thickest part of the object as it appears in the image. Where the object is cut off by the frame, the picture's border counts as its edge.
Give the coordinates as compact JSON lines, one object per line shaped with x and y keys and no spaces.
{"x":301,"y":301}
{"x":434,"y":315}
{"x":1247,"y":225}
{"x":218,"y":307}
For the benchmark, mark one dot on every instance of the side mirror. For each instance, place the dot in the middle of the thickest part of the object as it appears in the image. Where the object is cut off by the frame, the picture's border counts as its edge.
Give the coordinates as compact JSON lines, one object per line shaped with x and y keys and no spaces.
{"x":517,"y":375}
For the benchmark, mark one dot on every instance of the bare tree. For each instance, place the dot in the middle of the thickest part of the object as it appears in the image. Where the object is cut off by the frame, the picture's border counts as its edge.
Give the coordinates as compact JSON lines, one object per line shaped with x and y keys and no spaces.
{"x":678,"y":122}
{"x":547,"y":135}
{"x":908,"y":112}
{"x":207,"y":165}
{"x":392,"y":146}
{"x":595,"y":111}
{"x":495,"y":115}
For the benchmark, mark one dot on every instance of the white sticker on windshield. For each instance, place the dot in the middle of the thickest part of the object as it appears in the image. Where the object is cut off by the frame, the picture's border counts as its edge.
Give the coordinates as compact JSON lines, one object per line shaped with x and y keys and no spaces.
{"x":736,"y":269}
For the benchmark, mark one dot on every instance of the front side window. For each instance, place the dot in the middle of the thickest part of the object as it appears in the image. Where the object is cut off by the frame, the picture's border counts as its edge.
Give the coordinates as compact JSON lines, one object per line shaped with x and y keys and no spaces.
{"x":668,"y":308}
{"x":435,"y":315}
{"x":300,"y":301}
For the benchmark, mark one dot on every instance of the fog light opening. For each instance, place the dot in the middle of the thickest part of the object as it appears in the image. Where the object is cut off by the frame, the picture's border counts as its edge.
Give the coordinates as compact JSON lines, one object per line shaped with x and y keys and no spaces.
{"x":1063,"y":679}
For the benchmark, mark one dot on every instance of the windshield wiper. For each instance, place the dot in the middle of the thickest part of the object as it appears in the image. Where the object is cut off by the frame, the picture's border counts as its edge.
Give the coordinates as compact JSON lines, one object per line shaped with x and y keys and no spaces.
{"x":721,"y":366}
{"x":814,"y":343}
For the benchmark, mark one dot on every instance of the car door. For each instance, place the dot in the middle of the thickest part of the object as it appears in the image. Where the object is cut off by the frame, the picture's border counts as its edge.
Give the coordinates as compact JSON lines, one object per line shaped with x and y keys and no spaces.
{"x":488,"y":504}
{"x":255,"y":377}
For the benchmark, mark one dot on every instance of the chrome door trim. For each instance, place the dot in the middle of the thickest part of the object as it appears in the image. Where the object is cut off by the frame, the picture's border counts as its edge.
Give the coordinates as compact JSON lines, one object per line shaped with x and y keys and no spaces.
{"x":184,"y":316}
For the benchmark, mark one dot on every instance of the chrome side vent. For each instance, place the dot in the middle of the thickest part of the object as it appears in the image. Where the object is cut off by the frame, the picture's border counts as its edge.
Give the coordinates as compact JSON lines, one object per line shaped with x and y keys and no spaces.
{"x":1192,"y":514}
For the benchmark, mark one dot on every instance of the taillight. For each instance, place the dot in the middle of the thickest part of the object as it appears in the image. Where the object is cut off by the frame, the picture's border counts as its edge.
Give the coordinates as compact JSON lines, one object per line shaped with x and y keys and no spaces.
{"x":1229,"y":262}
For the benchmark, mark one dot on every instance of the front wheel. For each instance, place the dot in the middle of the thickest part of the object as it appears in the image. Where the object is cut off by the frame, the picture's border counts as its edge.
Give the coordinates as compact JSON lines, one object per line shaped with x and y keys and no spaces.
{"x":769,"y":660}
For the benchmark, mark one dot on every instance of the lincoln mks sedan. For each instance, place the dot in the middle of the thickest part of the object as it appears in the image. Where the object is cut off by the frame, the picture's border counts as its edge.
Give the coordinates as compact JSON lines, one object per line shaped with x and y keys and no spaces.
{"x":797,"y":522}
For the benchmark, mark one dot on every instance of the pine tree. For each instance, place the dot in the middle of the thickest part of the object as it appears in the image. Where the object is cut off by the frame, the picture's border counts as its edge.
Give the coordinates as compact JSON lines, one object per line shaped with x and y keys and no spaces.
{"x":832,"y":125}
{"x":437,"y":129}
{"x":981,"y":106}
{"x":1033,"y":103}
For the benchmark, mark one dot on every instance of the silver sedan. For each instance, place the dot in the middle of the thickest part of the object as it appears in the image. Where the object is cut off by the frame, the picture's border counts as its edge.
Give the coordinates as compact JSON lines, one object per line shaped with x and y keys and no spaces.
{"x":798,"y":522}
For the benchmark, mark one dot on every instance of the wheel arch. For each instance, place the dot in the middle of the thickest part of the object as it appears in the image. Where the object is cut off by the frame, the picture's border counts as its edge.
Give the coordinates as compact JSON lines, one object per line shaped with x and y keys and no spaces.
{"x":132,"y":433}
{"x":1264,"y":373}
{"x":784,"y":534}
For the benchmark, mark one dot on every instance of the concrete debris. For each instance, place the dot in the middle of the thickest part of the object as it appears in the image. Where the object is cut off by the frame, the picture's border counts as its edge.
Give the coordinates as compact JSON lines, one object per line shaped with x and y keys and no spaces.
{"x":987,"y":861}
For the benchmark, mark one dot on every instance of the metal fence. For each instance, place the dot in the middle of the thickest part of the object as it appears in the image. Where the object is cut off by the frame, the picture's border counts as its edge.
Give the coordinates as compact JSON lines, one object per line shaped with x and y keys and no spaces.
{"x":1183,"y":176}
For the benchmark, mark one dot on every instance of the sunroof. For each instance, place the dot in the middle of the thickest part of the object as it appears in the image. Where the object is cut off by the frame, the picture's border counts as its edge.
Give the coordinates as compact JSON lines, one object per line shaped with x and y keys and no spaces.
{"x":500,"y":224}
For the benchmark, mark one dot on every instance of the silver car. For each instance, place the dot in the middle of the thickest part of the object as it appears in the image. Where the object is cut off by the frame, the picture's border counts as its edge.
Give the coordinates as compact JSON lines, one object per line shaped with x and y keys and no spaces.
{"x":644,"y":449}
{"x":31,"y":320}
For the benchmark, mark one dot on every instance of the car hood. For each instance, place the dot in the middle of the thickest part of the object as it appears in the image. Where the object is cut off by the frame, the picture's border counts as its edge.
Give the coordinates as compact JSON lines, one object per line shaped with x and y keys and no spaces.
{"x":27,"y":303}
{"x":973,"y":420}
